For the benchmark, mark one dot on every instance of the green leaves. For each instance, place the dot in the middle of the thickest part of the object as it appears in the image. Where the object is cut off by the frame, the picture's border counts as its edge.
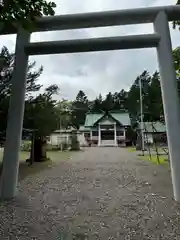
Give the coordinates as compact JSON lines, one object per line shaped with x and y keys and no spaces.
{"x":24,"y":12}
{"x":41,"y":114}
{"x":48,"y":9}
{"x":176,"y":23}
{"x":6,"y":68}
{"x":152,"y":101}
{"x":79,"y":109}
{"x":176,"y":55}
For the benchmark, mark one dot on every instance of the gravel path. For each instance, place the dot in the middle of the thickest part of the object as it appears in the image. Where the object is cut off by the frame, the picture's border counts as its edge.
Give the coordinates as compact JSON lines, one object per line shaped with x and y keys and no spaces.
{"x":101,"y":193}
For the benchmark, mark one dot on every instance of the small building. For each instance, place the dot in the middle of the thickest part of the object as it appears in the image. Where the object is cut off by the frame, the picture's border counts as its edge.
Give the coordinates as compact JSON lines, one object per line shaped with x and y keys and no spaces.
{"x":64,"y":136}
{"x":154,"y":131}
{"x":59,"y":136}
{"x":106,"y":129}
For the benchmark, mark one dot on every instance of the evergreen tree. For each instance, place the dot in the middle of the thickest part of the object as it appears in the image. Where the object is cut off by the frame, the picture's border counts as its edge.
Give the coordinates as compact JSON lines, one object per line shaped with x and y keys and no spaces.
{"x":6,"y":69}
{"x":108,"y":103}
{"x":79,"y":109}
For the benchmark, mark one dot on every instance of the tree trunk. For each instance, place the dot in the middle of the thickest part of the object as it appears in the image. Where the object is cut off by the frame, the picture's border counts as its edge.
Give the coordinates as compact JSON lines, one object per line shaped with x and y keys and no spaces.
{"x":40,"y":151}
{"x":31,"y":160}
{"x":74,"y":142}
{"x":139,"y":142}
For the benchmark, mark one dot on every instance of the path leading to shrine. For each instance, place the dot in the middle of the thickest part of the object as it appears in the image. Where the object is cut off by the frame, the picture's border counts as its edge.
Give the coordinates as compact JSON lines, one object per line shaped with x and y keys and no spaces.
{"x":101,"y":193}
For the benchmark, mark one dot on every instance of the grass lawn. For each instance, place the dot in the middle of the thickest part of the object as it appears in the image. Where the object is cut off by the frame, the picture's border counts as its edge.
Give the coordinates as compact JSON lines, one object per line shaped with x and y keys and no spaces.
{"x":154,"y":159}
{"x":26,"y":170}
{"x":131,"y":149}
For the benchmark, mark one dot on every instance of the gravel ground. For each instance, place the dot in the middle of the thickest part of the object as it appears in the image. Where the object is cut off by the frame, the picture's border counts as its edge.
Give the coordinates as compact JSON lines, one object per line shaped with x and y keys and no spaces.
{"x":101,"y":193}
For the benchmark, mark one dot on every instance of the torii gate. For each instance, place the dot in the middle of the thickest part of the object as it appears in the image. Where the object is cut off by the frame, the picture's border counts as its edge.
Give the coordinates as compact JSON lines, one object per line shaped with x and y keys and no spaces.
{"x":159,"y":16}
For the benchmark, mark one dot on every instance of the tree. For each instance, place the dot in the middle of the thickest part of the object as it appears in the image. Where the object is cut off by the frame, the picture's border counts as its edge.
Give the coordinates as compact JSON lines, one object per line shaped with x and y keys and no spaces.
{"x":74,"y":142}
{"x":100,"y":98}
{"x":176,"y":55}
{"x":42,"y":116}
{"x":154,"y":100}
{"x":40,"y":111}
{"x":79,"y":109}
{"x":24,"y":12}
{"x":6,"y":69}
{"x":50,"y":91}
{"x":151,"y":94}
{"x":7,"y":60}
{"x":108,"y":103}
{"x":176,"y":23}
{"x":96,"y":106}
{"x":120,"y":100}
{"x":64,"y":109}
{"x":113,"y":101}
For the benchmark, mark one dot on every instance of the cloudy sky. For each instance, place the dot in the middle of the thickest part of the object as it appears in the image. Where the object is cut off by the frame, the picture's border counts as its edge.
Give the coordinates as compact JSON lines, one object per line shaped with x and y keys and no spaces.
{"x":98,"y":72}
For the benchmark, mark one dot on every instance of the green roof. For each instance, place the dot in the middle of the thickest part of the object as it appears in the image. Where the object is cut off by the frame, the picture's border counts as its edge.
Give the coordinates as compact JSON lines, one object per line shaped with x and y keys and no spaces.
{"x":92,"y":118}
{"x":154,"y":127}
{"x":122,"y":118}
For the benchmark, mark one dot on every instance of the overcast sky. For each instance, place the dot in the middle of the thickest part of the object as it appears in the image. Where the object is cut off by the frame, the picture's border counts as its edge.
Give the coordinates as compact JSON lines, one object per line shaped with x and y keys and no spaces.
{"x":98,"y":72}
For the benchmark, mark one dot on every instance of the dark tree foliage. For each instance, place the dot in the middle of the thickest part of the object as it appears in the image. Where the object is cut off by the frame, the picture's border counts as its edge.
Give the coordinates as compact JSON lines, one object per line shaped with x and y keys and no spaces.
{"x":79,"y":109}
{"x":40,"y":109}
{"x":6,"y":69}
{"x":41,"y":113}
{"x":24,"y":12}
{"x":176,"y":23}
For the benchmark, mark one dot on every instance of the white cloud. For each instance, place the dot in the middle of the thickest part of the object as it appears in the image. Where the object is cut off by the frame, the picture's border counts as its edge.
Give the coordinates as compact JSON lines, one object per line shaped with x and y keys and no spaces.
{"x":99,"y":71}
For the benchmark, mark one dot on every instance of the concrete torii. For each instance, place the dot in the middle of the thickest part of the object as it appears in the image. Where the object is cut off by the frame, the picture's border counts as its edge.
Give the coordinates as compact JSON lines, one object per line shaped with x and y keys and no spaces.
{"x":159,"y":16}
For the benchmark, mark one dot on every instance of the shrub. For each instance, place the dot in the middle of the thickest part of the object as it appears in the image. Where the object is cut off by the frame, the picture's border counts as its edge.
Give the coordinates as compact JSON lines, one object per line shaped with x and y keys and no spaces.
{"x":26,"y":146}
